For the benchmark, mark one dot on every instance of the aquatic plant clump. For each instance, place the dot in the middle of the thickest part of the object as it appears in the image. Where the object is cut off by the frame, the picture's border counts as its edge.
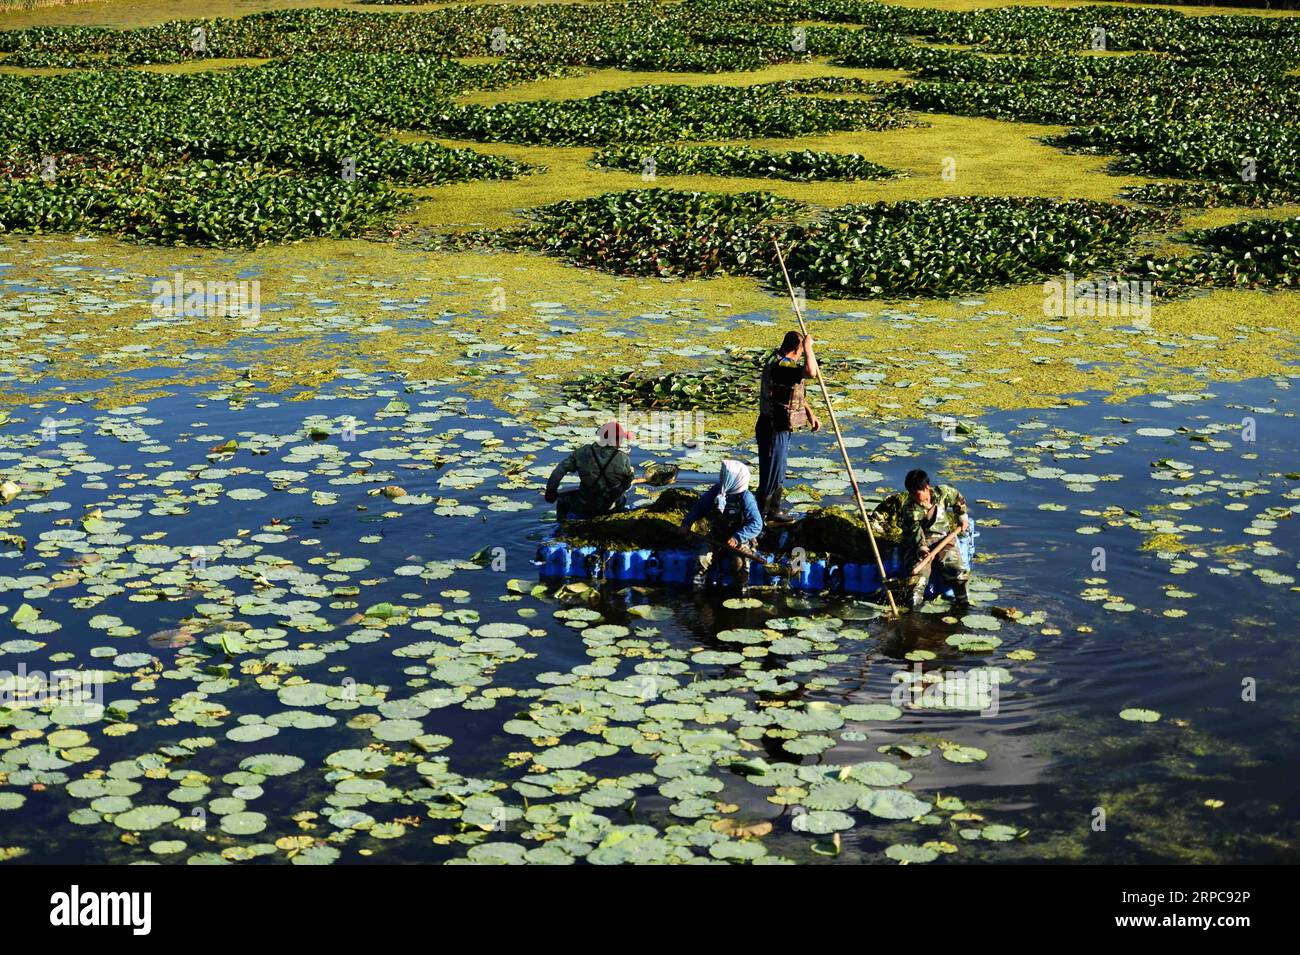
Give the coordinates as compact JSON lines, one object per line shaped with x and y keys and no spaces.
{"x":729,"y":385}
{"x":1258,"y":253}
{"x":655,"y":525}
{"x":57,"y":59}
{"x":234,"y":159}
{"x":1165,"y":115}
{"x":659,"y":231}
{"x":928,"y":247}
{"x":1210,"y":195}
{"x":652,"y":114}
{"x":743,"y":161}
{"x":672,"y":390}
{"x":941,"y":246}
{"x":832,"y":531}
{"x":199,"y":203}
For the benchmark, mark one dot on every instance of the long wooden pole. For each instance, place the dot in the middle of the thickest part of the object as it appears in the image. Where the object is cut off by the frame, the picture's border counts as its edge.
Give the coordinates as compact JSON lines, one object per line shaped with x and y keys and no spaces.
{"x":935,"y":551}
{"x":773,"y":568}
{"x":839,"y":439}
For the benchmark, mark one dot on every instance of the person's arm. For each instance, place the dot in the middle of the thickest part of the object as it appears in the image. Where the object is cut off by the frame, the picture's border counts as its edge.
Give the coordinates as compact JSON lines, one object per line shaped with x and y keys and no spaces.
{"x":626,"y":473}
{"x":813,"y":421}
{"x":567,"y":466}
{"x":705,"y":502}
{"x":959,"y":510}
{"x":753,"y":525}
{"x":810,"y":368}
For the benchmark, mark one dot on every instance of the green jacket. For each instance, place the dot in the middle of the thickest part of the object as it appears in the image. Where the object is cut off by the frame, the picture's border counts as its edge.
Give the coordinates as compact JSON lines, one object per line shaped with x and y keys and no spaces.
{"x":605,"y":473}
{"x":950,"y":509}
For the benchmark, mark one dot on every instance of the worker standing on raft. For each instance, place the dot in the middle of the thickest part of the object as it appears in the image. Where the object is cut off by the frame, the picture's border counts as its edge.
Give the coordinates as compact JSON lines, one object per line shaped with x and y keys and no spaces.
{"x":733,"y":516}
{"x":782,"y":407}
{"x":604,"y":470}
{"x":928,"y":516}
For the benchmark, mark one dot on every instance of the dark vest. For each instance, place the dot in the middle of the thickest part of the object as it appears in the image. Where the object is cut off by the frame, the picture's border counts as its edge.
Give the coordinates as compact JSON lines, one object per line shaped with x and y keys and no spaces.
{"x":783,"y":404}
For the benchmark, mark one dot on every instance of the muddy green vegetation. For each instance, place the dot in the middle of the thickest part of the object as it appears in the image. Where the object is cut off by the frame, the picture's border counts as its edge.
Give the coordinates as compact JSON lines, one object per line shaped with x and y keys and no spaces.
{"x":412,"y":134}
{"x":832,"y":531}
{"x":267,"y":580}
{"x":655,"y":525}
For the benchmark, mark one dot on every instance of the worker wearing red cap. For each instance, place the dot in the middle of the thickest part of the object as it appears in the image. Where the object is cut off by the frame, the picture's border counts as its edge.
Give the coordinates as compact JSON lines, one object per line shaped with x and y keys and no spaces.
{"x":604,"y":470}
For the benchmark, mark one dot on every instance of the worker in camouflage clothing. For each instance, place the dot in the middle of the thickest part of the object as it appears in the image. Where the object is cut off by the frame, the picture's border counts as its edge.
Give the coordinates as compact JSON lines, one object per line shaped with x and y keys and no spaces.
{"x":930,"y":514}
{"x":604,"y":470}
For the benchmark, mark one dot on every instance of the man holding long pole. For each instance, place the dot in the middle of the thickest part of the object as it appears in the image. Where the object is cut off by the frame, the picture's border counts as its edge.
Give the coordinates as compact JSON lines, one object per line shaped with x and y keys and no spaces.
{"x":782,"y":407}
{"x":839,"y":439}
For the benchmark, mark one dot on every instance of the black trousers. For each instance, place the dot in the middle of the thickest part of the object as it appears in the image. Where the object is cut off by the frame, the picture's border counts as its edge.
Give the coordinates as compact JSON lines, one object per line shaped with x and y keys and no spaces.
{"x":772,"y":448}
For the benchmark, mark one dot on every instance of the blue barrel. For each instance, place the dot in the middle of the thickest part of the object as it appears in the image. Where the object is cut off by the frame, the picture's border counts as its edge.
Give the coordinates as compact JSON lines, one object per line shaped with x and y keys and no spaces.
{"x":835,"y":579}
{"x":639,"y":559}
{"x":861,"y":579}
{"x":851,"y":578}
{"x":677,"y":566}
{"x":619,"y":566}
{"x":811,"y":576}
{"x":893,"y":566}
{"x":586,"y":562}
{"x":555,"y":560}
{"x":870,"y":576}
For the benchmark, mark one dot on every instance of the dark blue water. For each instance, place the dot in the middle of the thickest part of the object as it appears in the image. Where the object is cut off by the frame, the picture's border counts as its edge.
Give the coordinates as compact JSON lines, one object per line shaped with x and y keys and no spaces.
{"x":1099,"y":641}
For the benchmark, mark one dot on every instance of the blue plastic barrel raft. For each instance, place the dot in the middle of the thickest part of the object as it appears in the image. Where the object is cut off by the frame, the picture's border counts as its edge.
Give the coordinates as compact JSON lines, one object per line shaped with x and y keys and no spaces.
{"x":632,"y":565}
{"x":556,"y":559}
{"x":553,"y":560}
{"x":810,"y":577}
{"x":676,"y":566}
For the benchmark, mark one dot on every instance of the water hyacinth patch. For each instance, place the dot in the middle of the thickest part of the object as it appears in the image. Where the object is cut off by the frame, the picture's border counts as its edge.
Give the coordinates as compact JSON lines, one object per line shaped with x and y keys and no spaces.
{"x":956,"y":245}
{"x":930,"y":247}
{"x":651,"y":114}
{"x":659,"y":231}
{"x":740,"y":161}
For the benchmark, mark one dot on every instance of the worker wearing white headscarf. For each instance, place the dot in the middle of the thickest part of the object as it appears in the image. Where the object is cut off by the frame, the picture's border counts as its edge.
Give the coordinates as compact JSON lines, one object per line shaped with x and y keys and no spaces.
{"x":731,"y":507}
{"x":732,"y":479}
{"x":733,"y":516}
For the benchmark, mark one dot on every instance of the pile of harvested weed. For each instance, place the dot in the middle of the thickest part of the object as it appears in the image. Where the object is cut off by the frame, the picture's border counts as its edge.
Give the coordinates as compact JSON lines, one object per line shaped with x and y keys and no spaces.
{"x":835,"y":531}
